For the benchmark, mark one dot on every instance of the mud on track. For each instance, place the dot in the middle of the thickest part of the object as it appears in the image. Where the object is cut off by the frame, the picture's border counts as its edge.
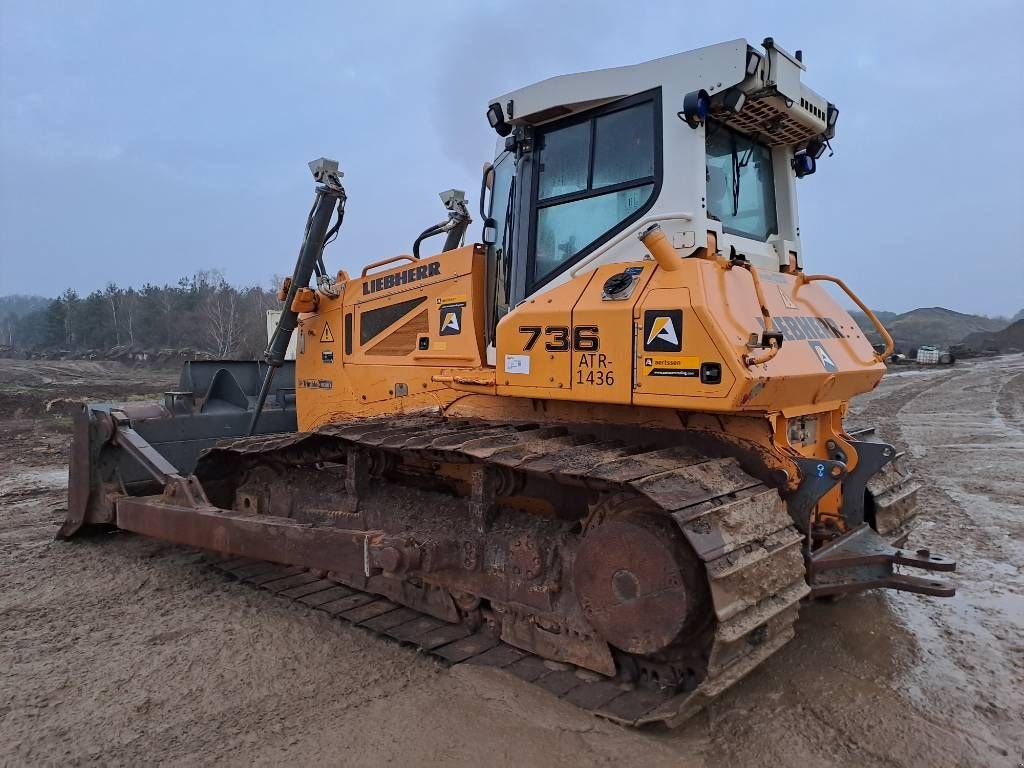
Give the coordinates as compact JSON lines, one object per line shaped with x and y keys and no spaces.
{"x":121,"y":650}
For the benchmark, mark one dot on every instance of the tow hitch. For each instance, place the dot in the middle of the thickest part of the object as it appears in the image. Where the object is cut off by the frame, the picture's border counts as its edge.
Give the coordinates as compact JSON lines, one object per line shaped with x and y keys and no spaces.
{"x":861,"y":559}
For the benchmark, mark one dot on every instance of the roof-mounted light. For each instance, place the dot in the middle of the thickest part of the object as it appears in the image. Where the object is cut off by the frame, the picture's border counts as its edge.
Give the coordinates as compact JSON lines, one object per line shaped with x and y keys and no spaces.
{"x":734,"y":100}
{"x":753,"y":61}
{"x":831,"y":118}
{"x":832,"y":115}
{"x":816,"y":148}
{"x":496,"y":118}
{"x":696,"y":105}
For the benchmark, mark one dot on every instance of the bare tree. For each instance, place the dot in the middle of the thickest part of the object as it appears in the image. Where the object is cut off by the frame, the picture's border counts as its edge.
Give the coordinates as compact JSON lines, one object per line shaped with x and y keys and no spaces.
{"x":113,"y":295}
{"x":166,"y":299}
{"x":70,"y":301}
{"x":129,"y":301}
{"x":224,"y":326}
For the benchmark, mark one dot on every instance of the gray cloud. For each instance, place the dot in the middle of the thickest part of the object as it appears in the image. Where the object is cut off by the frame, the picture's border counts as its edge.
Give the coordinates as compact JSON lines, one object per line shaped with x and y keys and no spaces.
{"x":140,"y":142}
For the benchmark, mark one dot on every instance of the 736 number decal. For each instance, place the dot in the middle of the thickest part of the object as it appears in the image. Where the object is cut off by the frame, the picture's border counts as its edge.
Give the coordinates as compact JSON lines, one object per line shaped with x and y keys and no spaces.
{"x":584,"y":337}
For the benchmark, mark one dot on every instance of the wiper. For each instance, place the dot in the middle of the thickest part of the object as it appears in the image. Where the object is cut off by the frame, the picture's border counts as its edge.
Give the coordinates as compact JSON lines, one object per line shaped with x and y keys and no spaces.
{"x":737,"y":166}
{"x":507,"y":244}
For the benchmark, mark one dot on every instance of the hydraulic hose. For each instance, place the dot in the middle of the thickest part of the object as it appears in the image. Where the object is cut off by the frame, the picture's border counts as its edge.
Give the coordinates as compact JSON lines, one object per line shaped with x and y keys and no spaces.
{"x":458,"y":220}
{"x":437,"y":229}
{"x":773,"y":346}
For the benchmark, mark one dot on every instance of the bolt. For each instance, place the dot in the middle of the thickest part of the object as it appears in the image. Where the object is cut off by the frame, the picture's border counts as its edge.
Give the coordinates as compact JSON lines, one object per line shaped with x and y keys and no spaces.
{"x":831,"y":445}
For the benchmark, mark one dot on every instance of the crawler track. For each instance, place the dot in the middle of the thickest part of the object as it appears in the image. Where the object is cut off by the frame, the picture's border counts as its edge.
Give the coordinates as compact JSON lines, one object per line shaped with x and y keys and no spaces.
{"x":453,"y":644}
{"x":449,"y":643}
{"x":748,"y":554}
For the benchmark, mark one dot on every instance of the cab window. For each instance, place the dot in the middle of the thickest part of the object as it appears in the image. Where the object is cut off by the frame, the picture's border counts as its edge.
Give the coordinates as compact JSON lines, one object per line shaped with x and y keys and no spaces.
{"x":741,"y":183}
{"x":595,"y":175}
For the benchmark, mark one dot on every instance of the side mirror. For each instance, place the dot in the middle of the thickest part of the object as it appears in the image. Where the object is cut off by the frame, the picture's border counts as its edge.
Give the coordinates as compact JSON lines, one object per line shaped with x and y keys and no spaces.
{"x":490,"y":232}
{"x":486,"y":185}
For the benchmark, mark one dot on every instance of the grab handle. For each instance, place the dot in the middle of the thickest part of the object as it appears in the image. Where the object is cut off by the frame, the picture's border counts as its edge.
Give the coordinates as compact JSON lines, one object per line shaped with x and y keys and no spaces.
{"x":773,"y":347}
{"x":376,"y":264}
{"x":880,"y":357}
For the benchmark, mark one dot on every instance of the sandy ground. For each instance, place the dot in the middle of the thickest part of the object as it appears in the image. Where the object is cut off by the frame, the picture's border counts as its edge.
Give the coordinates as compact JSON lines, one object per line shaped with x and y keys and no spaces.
{"x":119,"y":650}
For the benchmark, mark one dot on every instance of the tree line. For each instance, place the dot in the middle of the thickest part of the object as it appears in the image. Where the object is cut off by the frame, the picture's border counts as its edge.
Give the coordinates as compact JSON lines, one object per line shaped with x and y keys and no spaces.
{"x":203,"y":312}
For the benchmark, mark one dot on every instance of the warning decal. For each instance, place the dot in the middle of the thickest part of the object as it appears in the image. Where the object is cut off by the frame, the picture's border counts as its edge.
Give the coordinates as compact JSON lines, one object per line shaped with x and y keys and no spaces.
{"x":824,"y":357}
{"x":326,"y":337}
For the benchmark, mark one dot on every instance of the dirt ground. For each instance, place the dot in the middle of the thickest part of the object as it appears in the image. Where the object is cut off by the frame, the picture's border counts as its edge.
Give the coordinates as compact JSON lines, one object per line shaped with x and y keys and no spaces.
{"x":120,"y":650}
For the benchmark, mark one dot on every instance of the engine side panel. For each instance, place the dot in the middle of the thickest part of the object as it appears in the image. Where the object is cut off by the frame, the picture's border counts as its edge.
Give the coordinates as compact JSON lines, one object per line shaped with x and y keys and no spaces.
{"x":412,"y":338}
{"x":385,"y":344}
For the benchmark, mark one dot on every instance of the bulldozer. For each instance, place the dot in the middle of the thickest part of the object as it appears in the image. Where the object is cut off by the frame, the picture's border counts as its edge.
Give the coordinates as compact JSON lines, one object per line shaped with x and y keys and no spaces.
{"x":602,"y":448}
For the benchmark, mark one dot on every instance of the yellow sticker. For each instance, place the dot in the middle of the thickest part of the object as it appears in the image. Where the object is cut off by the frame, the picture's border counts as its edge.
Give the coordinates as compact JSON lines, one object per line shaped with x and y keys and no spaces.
{"x":683,"y":366}
{"x":461,"y":299}
{"x":326,"y":337}
{"x":441,"y":346}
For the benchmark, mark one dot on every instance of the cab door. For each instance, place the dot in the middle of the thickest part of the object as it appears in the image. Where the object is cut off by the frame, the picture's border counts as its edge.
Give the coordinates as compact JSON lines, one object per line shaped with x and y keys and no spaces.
{"x":499,"y":254}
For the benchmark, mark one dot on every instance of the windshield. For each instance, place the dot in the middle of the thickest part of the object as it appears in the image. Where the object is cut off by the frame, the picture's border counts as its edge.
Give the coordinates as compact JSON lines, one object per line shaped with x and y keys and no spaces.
{"x":741,"y":184}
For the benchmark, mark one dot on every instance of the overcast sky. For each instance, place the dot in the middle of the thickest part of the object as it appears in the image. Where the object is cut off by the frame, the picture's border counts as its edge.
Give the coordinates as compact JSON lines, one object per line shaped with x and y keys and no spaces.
{"x":140,"y":142}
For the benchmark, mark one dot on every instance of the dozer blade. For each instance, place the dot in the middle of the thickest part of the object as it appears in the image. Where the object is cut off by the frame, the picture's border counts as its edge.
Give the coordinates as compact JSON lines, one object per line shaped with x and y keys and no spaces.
{"x":129,"y":449}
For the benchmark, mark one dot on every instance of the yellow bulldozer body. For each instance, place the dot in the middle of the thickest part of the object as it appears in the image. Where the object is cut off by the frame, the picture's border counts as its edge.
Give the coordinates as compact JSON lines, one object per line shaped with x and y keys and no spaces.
{"x":409,"y":338}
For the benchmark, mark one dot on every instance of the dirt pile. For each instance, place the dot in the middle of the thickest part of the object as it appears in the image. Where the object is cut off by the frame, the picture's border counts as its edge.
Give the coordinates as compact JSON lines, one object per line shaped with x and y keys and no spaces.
{"x":934,"y":326}
{"x":1009,"y":339}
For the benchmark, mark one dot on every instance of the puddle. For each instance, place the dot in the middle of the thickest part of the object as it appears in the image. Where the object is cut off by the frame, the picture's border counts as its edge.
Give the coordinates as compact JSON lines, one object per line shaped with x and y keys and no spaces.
{"x":22,"y":482}
{"x":969,"y":459}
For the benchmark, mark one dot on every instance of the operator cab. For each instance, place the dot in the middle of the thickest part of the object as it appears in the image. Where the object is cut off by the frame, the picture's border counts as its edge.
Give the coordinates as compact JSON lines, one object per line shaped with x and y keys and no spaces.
{"x":707,"y":144}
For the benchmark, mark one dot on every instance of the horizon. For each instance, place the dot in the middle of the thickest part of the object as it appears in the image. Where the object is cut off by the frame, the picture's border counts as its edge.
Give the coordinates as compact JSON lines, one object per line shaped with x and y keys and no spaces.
{"x":852,"y":309}
{"x":193,"y":157}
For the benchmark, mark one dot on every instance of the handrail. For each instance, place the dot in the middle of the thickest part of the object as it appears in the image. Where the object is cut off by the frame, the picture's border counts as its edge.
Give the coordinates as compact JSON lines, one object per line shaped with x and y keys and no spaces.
{"x":436,"y":356}
{"x":636,"y":227}
{"x":880,"y":357}
{"x":381,"y":263}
